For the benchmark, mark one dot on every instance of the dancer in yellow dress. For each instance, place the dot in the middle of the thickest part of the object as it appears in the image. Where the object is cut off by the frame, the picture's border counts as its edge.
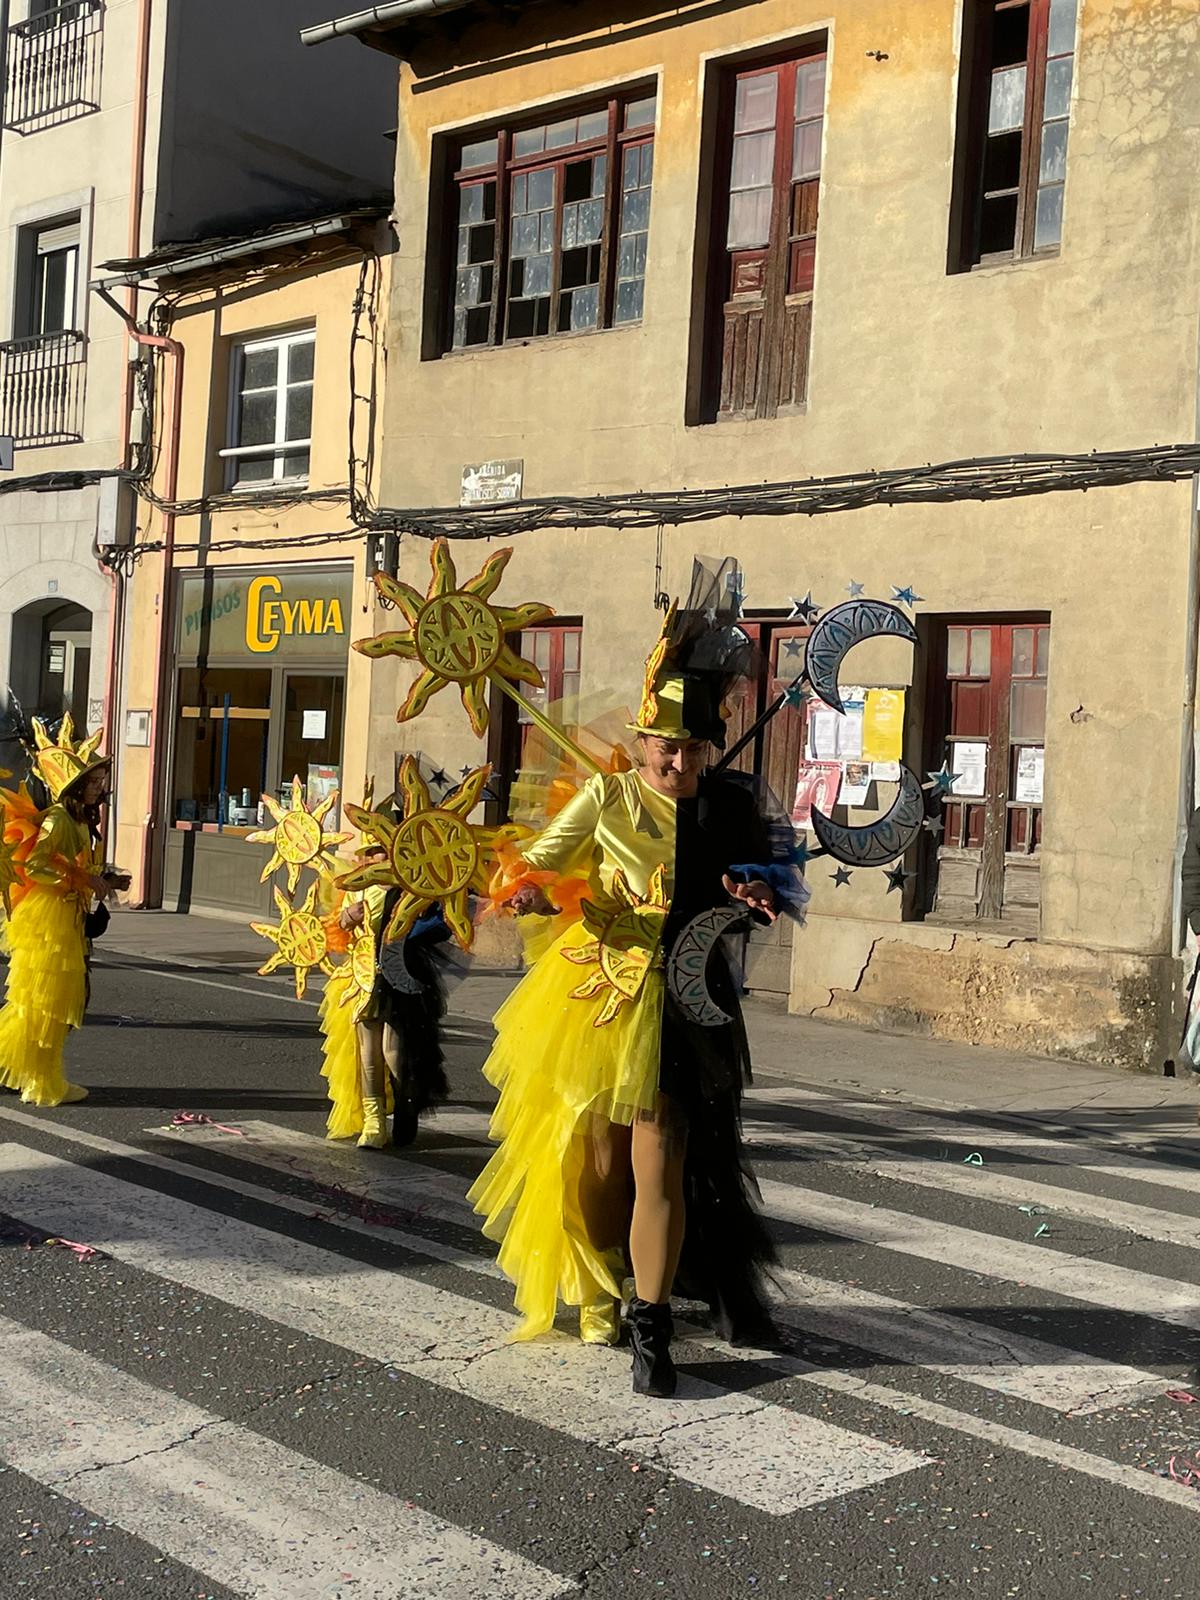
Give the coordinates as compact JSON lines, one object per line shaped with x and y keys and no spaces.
{"x":380,"y":1019}
{"x":62,"y":885}
{"x":618,"y":1112}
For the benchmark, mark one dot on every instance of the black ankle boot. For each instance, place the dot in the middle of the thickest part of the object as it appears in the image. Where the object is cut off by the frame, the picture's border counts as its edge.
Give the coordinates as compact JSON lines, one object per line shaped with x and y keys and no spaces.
{"x":650,"y":1332}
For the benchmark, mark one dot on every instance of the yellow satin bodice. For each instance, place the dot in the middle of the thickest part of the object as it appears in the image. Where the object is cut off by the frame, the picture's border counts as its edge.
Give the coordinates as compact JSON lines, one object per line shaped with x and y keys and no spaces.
{"x":616,"y":822}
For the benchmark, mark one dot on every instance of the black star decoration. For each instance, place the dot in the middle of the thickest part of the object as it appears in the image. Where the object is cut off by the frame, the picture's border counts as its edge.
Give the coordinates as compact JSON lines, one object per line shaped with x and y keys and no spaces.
{"x":934,"y":825}
{"x":440,"y":778}
{"x":840,"y":877}
{"x":804,"y":610}
{"x":793,"y":647}
{"x":466,"y":772}
{"x":897,"y":877}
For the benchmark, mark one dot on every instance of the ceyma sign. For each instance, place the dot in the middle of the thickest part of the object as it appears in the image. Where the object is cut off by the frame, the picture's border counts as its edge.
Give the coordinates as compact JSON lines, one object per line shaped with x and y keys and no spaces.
{"x":264,"y":616}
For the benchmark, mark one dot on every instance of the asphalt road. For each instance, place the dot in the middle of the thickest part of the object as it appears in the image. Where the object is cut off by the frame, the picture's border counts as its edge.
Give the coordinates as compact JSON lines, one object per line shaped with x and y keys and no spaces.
{"x":285,"y":1372}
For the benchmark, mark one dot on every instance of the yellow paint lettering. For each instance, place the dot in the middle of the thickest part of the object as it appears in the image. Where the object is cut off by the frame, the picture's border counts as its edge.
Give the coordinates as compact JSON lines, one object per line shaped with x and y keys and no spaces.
{"x":333,"y":618}
{"x":290,"y":610}
{"x":310,"y":616}
{"x":262,"y":629}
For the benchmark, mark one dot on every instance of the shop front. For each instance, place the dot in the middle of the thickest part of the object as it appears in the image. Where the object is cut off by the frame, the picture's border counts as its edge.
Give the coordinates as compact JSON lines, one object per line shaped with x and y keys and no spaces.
{"x":259,"y":700}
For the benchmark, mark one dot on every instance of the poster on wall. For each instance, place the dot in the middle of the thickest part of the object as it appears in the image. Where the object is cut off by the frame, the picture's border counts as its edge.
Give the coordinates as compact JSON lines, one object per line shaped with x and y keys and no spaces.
{"x":322,"y":782}
{"x":1031,"y":775}
{"x":856,"y":783}
{"x":817,"y":784}
{"x":883,"y":725}
{"x":968,"y":762}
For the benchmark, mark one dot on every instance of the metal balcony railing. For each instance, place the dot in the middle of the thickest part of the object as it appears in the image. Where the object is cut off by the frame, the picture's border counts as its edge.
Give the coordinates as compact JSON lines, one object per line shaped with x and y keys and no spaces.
{"x":41,"y":389}
{"x":54,"y":66}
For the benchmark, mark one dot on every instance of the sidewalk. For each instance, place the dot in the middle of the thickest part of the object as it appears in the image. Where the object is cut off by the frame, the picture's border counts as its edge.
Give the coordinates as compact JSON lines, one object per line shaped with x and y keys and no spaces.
{"x":846,"y":1061}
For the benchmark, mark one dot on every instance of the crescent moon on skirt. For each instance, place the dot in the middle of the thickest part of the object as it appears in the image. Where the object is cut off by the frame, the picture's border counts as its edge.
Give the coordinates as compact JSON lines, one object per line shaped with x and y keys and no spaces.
{"x":838,"y":631}
{"x":873,"y":844}
{"x":393,"y":969}
{"x":687,"y":965}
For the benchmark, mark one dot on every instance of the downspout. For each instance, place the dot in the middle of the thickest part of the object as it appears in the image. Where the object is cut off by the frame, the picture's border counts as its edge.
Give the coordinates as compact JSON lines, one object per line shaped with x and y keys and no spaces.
{"x":150,"y":889}
{"x":137,"y":183}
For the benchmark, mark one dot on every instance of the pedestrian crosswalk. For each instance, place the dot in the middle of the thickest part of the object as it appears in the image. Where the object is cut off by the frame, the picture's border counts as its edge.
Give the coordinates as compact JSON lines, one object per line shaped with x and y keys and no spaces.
{"x":288,"y":1229}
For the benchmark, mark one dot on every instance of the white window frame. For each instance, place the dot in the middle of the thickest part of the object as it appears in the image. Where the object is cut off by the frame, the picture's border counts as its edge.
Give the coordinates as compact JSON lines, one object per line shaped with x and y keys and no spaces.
{"x":234,"y":454}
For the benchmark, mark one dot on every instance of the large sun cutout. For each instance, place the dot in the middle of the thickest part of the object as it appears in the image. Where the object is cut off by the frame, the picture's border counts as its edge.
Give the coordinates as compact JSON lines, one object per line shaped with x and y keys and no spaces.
{"x":457,"y":635}
{"x":434,"y":855}
{"x":625,"y":944}
{"x":298,"y":837}
{"x":300,"y":938}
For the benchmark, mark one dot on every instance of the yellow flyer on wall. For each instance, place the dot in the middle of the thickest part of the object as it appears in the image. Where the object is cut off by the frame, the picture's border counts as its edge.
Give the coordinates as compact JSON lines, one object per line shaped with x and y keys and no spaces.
{"x":883,"y":725}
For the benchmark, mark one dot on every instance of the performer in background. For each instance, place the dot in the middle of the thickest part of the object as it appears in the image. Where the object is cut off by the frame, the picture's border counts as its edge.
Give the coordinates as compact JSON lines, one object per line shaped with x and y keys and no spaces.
{"x":618,"y":1116}
{"x":58,"y":893}
{"x":380,"y":1022}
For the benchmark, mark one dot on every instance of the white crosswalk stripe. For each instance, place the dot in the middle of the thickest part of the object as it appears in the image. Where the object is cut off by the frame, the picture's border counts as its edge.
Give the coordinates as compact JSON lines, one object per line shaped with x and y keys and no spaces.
{"x":506,"y":1388}
{"x":1010,"y":1364}
{"x":236,"y":1506}
{"x":765,"y":1456}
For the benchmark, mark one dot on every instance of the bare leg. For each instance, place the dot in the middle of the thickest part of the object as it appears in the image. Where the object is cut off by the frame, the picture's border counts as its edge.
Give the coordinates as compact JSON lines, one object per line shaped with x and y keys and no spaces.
{"x":605,"y":1183}
{"x":373,"y":1076}
{"x":656,"y":1237}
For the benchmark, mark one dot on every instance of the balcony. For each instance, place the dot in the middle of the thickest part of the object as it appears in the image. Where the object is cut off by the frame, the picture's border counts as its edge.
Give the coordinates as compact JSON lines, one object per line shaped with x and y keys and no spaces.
{"x":41,"y":389}
{"x":54,"y":67}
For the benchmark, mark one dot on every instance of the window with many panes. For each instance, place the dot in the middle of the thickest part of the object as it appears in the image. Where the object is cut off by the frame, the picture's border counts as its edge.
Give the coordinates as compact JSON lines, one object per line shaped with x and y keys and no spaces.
{"x":1017,"y":66}
{"x":989,"y":725}
{"x":551,"y":222}
{"x":271,"y":419}
{"x":47,"y":279}
{"x":768,"y":168}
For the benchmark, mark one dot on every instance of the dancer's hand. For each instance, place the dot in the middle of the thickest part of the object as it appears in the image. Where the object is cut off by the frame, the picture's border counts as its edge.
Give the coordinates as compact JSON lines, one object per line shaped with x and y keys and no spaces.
{"x":531,"y":901}
{"x":756,"y":895}
{"x":352,"y":916}
{"x":100,"y":886}
{"x":117,"y":880}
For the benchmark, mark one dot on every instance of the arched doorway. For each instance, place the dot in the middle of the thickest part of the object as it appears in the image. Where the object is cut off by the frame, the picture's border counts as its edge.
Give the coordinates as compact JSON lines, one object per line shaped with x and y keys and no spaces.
{"x":50,"y":665}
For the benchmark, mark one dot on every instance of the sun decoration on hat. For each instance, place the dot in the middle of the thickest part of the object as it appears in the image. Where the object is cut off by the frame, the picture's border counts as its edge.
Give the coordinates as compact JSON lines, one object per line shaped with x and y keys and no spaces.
{"x":434,"y":855}
{"x":456,"y":635}
{"x":61,"y":762}
{"x":298,"y":837}
{"x":648,"y":711}
{"x":300,"y":937}
{"x":625,"y":944}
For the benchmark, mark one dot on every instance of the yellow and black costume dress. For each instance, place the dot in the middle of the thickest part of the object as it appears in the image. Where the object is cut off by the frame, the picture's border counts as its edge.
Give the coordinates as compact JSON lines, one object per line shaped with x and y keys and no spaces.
{"x":359,"y":991}
{"x":45,"y":935}
{"x":592,"y":1030}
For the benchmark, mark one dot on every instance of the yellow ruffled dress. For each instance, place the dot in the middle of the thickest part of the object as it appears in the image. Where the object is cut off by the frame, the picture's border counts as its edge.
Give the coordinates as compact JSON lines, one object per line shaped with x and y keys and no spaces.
{"x":579,"y":1036}
{"x":47,"y":950}
{"x":346,"y":1002}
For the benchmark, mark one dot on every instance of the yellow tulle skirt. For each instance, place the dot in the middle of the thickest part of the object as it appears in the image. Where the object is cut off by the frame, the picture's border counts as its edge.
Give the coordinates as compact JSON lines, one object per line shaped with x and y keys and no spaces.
{"x":555,"y":1070}
{"x":47,"y":993}
{"x":339,"y":1045}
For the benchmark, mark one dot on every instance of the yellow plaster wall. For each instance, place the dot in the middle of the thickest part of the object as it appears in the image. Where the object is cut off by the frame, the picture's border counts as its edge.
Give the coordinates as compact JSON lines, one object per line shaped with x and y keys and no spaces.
{"x":1093,"y":349}
{"x":207,"y":327}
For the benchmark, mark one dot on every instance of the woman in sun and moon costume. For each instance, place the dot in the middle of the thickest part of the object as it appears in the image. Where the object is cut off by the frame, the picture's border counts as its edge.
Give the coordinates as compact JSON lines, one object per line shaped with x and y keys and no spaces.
{"x":618,"y":1113}
{"x":383,"y":1004}
{"x":56,"y":885}
{"x":380,"y":1021}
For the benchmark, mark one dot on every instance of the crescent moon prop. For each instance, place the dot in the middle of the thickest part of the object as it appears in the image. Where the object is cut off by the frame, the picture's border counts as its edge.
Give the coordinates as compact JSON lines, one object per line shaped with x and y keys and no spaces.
{"x":394,"y":969}
{"x":873,"y":844}
{"x":687,"y":966}
{"x":838,"y":631}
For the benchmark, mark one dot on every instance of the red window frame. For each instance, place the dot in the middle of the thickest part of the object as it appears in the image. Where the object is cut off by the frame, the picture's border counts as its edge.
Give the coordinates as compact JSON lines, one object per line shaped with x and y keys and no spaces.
{"x":588,"y":270}
{"x":1014,"y":113}
{"x":557,"y":650}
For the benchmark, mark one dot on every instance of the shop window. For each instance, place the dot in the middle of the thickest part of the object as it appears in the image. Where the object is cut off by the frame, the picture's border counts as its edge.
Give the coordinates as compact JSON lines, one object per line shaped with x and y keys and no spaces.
{"x":1014,"y":110}
{"x":764,"y":236}
{"x":222,"y":736}
{"x":989,"y":724}
{"x":313,"y":709}
{"x":549,"y":222}
{"x":271,"y":411}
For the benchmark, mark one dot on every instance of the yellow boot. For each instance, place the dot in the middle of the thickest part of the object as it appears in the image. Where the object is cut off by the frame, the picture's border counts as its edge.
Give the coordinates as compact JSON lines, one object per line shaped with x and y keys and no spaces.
{"x":600,"y":1319}
{"x":375,"y":1135}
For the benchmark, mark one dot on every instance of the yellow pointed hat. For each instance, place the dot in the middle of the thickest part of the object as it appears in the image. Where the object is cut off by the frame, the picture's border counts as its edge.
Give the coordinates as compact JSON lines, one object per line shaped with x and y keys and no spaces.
{"x":62,"y":762}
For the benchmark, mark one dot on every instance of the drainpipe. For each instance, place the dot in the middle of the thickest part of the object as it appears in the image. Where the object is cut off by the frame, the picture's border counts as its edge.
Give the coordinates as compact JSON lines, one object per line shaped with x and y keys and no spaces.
{"x":173,"y":419}
{"x":137,"y":178}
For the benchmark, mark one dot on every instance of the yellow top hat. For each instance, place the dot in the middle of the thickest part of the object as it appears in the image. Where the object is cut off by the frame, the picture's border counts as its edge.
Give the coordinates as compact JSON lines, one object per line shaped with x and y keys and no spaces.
{"x":62,"y":763}
{"x":675,"y":704}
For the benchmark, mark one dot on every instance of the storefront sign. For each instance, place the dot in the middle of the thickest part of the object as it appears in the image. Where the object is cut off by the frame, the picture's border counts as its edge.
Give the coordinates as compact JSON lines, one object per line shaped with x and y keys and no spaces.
{"x":265,"y":616}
